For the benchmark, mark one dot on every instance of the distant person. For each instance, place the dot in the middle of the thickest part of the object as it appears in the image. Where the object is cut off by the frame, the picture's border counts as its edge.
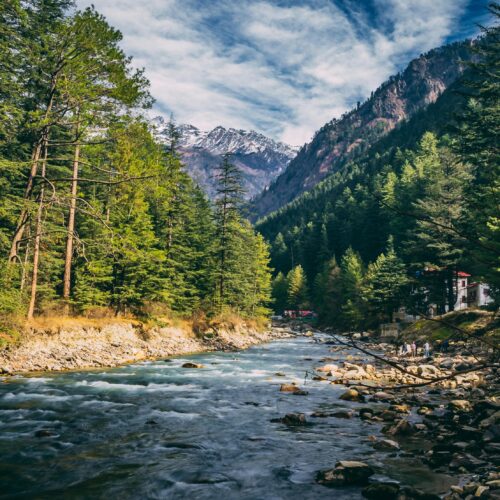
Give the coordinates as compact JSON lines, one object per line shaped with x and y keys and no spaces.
{"x":445,"y":345}
{"x":427,"y":350}
{"x":414,"y":349}
{"x":408,"y":349}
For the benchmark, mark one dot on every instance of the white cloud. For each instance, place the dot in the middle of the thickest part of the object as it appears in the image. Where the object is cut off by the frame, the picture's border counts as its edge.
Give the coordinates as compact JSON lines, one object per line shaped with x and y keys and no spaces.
{"x":281,"y":70}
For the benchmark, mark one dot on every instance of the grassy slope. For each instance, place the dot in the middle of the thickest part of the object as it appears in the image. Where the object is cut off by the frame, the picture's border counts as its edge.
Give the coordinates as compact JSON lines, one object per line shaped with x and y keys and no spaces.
{"x":458,"y":325}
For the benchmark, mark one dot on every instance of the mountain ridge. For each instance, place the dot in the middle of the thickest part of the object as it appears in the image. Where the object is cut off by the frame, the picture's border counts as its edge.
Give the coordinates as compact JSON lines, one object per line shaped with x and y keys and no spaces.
{"x":340,"y":140}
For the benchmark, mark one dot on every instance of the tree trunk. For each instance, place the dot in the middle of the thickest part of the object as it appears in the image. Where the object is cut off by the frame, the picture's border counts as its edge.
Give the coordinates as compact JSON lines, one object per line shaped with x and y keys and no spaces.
{"x":23,"y":216}
{"x":25,"y":265}
{"x":38,"y":237}
{"x":71,"y":229}
{"x":41,"y":143}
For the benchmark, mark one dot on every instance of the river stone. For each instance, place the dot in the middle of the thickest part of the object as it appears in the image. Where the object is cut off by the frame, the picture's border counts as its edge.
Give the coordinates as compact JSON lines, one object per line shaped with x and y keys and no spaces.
{"x":345,"y":473}
{"x":327,"y":368}
{"x":289,"y":388}
{"x":320,"y":414}
{"x":403,"y":408}
{"x":300,"y":392}
{"x":401,"y":428}
{"x":192,"y":365}
{"x":480,"y":492}
{"x":494,"y":485}
{"x":294,"y":419}
{"x":381,"y":491}
{"x":382,"y":396}
{"x":460,"y":405}
{"x":343,"y":414}
{"x":386,"y":445}
{"x":352,"y":395}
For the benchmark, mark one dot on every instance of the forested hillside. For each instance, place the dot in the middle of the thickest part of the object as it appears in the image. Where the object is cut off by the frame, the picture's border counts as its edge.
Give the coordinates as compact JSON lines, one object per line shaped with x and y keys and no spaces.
{"x":350,"y":136}
{"x":395,"y":226}
{"x":96,"y":217}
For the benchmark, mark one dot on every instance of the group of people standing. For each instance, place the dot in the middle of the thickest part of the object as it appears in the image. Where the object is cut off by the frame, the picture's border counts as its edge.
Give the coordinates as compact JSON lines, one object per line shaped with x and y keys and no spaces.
{"x":411,"y":350}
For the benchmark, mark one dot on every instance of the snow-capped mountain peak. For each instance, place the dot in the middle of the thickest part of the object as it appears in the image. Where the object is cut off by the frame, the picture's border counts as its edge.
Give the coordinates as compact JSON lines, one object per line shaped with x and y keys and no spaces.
{"x":259,"y":157}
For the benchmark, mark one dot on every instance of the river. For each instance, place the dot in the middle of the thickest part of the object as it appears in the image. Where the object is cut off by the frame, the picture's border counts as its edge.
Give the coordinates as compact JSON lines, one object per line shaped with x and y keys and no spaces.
{"x":157,"y":430}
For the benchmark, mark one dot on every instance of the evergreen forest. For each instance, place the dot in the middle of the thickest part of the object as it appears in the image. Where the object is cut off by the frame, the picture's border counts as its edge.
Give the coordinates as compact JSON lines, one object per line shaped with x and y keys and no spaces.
{"x":96,"y":216}
{"x":395,"y":227}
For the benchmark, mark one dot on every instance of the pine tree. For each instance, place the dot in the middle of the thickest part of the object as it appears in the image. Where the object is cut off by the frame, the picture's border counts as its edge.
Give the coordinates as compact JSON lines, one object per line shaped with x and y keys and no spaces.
{"x":298,"y":292}
{"x":478,"y":146}
{"x":436,"y":241}
{"x":228,"y":232}
{"x":280,"y":293}
{"x":385,"y":285}
{"x":351,"y":280}
{"x":326,"y":293}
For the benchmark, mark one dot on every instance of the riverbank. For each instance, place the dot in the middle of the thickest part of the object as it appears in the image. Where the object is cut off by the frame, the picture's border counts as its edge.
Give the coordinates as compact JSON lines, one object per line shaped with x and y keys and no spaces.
{"x":444,"y":409}
{"x":82,"y":344}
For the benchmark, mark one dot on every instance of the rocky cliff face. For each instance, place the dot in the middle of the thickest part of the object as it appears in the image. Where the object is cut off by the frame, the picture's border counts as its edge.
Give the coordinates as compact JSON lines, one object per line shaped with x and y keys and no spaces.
{"x":340,"y":140}
{"x":260,"y":158}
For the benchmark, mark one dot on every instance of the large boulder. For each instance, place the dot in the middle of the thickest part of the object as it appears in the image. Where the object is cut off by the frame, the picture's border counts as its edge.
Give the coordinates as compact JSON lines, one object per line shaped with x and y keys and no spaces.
{"x":346,"y":473}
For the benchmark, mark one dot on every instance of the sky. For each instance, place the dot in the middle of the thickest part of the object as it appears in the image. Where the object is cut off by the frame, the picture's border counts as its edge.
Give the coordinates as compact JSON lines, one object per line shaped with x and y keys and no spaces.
{"x":281,"y":67}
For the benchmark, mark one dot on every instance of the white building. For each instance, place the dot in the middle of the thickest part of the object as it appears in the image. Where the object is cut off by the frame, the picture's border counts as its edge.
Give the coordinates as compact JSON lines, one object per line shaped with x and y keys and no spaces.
{"x":478,"y":294}
{"x":462,"y":290}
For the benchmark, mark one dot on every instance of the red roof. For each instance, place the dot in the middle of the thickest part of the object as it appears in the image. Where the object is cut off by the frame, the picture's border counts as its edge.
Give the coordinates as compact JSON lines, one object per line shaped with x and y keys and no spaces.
{"x":463,"y":275}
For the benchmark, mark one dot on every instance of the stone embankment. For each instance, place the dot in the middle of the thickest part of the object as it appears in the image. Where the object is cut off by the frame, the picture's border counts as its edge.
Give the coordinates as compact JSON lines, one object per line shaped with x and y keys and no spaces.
{"x":78,"y":347}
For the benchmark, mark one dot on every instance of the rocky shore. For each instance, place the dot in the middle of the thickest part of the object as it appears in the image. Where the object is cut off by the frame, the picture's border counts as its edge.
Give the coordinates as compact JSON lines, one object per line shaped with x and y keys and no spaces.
{"x":443,"y":411}
{"x":78,"y":347}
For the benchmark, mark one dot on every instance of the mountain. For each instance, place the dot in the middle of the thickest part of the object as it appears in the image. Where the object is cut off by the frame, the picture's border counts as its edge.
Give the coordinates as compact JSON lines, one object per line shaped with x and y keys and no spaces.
{"x":260,"y":158}
{"x":344,"y":139}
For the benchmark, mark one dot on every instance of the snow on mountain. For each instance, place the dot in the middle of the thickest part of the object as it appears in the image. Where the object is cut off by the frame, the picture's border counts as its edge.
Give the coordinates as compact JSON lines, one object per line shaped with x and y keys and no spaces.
{"x":260,"y":158}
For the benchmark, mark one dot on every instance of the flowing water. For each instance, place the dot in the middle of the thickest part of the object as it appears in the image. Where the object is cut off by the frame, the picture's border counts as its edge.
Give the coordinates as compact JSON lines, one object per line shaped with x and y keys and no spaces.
{"x":157,"y":430}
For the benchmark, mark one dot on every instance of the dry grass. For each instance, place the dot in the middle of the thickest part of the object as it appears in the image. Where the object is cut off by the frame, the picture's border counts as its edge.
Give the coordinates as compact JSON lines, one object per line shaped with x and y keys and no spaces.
{"x":198,"y":325}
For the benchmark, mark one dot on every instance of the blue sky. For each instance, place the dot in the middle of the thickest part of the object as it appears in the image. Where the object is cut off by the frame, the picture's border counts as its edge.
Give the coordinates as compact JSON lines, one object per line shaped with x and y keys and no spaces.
{"x":280,"y":67}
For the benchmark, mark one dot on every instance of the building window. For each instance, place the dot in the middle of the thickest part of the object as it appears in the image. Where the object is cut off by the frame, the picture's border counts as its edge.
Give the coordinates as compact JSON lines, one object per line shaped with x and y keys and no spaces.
{"x":464,"y":298}
{"x":463,"y":283}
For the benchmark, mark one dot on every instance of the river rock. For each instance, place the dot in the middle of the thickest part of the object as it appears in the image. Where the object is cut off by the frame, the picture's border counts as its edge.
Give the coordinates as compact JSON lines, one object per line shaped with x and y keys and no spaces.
{"x":401,"y":428}
{"x":343,"y":414}
{"x":290,"y":388}
{"x":481,"y":491}
{"x":382,"y":396}
{"x":381,"y":491}
{"x":352,"y":395}
{"x":291,"y":419}
{"x":494,"y":485}
{"x":327,"y":368}
{"x":403,"y":408}
{"x":386,"y":445}
{"x":320,"y":414}
{"x":461,"y":405}
{"x":345,"y":473}
{"x":192,"y":365}
{"x":300,"y":392}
